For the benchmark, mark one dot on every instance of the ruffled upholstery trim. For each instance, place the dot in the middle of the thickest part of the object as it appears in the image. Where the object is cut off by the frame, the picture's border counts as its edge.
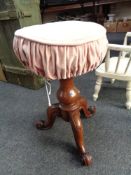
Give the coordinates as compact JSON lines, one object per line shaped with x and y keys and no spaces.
{"x":60,"y":62}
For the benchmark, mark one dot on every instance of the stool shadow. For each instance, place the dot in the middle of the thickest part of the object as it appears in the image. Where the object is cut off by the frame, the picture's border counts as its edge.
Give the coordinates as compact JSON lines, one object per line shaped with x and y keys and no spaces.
{"x":63,"y":145}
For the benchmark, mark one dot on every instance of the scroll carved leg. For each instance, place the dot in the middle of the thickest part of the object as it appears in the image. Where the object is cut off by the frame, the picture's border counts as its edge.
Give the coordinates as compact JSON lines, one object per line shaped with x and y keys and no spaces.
{"x":78,"y":135}
{"x":52,"y":112}
{"x":88,"y":110}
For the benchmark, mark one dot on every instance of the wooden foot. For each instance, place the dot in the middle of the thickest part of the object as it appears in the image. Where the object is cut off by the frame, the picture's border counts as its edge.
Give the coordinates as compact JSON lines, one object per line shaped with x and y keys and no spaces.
{"x":88,"y":110}
{"x":86,"y":159}
{"x":78,"y":135}
{"x":52,"y":112}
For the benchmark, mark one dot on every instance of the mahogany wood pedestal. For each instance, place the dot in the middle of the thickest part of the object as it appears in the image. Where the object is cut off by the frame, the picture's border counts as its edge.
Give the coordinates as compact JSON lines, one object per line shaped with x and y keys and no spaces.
{"x":69,"y":107}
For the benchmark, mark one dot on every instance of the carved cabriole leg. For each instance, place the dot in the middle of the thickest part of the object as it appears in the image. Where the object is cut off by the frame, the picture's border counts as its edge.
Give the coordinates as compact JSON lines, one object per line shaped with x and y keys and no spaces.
{"x":71,"y":103}
{"x":88,"y":110}
{"x":128,"y":95}
{"x":74,"y":117}
{"x":97,"y":88}
{"x":52,"y":112}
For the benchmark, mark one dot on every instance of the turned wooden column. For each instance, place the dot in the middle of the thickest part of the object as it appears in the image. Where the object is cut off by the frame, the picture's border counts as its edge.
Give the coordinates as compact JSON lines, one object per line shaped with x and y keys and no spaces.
{"x":69,"y":107}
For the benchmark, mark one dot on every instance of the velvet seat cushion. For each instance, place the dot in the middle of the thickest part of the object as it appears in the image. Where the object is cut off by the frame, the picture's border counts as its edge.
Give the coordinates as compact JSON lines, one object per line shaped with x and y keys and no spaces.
{"x":61,"y":50}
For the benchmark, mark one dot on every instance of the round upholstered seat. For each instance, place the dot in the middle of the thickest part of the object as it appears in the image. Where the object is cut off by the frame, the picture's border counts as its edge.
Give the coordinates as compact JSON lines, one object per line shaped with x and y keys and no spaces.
{"x":61,"y":50}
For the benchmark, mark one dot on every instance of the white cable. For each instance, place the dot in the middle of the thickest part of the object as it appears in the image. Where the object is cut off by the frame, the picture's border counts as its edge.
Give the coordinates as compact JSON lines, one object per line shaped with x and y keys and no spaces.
{"x":48,"y":91}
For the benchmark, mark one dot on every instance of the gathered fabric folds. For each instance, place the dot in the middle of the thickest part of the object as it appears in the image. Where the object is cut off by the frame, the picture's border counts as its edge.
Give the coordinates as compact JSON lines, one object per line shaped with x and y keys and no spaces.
{"x":60,"y":62}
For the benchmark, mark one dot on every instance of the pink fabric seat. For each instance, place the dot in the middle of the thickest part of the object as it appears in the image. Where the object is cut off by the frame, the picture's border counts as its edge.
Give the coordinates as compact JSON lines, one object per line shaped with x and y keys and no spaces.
{"x":61,"y":50}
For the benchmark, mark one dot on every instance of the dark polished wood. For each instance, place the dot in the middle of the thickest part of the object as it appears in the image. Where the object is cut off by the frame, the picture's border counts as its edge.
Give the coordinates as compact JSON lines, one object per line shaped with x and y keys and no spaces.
{"x":69,"y":107}
{"x":61,"y":8}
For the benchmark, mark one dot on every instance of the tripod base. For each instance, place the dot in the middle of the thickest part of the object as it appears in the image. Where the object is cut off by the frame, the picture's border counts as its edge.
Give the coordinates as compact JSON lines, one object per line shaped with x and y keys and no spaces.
{"x":69,"y":107}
